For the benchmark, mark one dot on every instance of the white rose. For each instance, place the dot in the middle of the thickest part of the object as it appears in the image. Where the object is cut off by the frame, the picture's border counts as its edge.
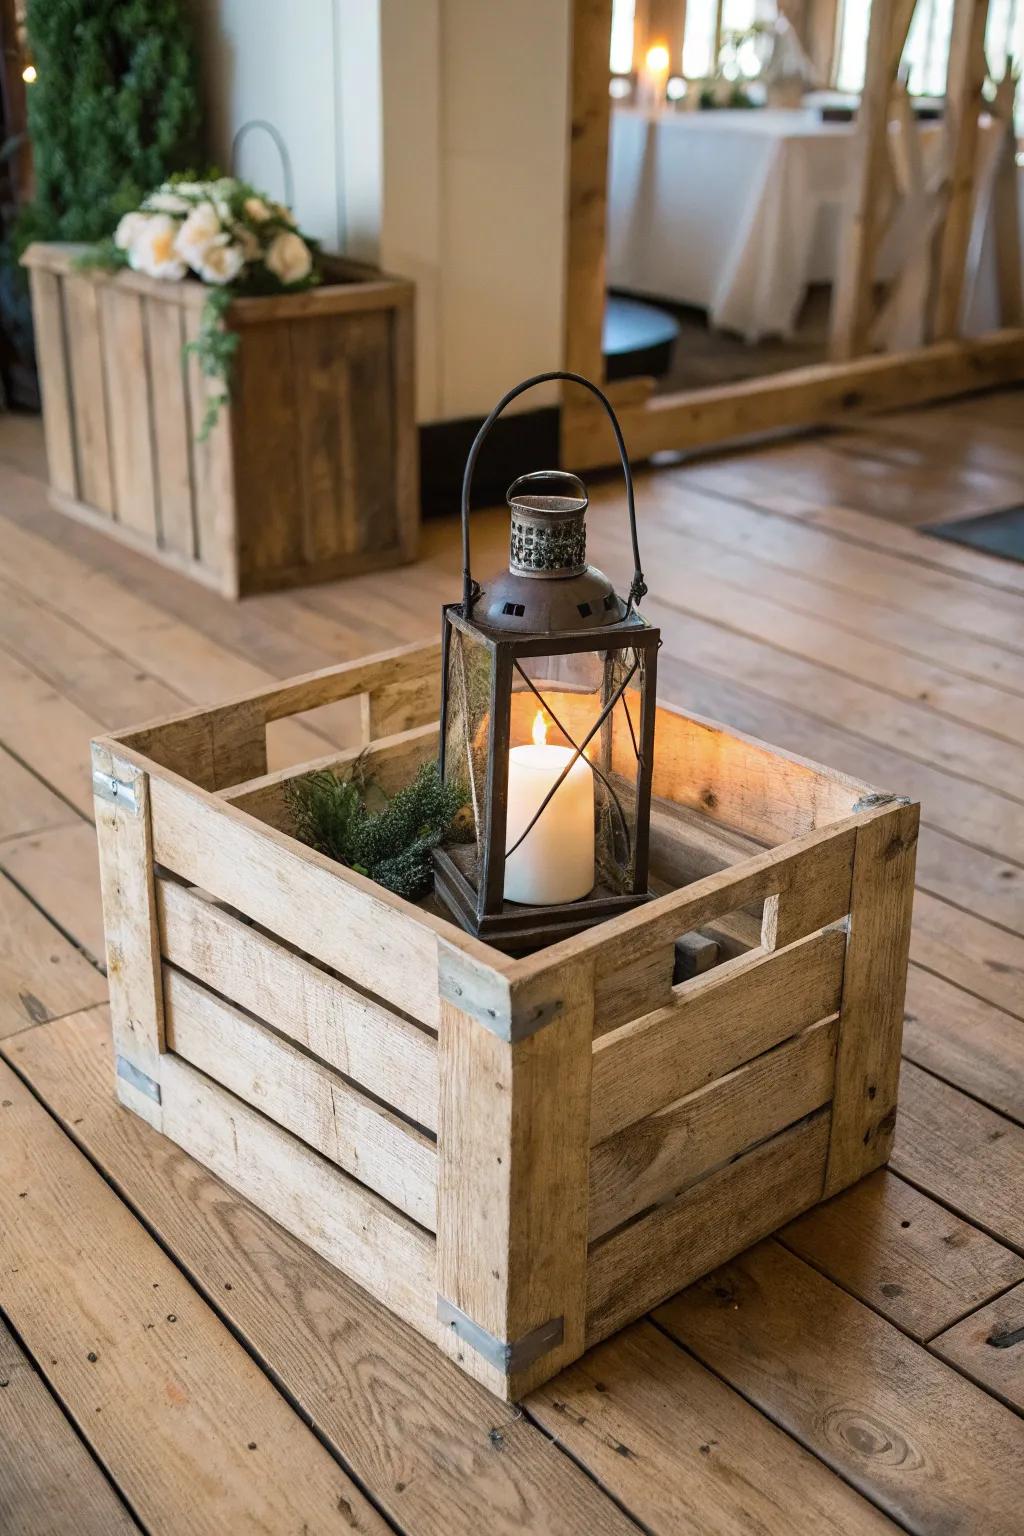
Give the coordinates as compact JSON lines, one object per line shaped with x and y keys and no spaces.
{"x":222,"y":261}
{"x":288,"y":257}
{"x":282,"y":212}
{"x":153,"y":249}
{"x":197,"y":234}
{"x":167,"y":202}
{"x":129,"y":230}
{"x":256,"y":209}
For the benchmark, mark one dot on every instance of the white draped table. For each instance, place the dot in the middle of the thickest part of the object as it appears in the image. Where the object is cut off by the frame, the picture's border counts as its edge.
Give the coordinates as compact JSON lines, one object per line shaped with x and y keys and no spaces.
{"x":737,"y":212}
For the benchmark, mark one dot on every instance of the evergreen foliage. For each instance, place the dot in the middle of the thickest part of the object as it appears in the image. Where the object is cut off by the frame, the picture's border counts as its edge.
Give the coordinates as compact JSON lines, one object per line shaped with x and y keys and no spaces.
{"x":114,"y":110}
{"x":393,"y":845}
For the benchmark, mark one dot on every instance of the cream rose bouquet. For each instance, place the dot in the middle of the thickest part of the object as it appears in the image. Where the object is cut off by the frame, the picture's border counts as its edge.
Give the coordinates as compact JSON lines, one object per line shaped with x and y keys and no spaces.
{"x":228,"y":235}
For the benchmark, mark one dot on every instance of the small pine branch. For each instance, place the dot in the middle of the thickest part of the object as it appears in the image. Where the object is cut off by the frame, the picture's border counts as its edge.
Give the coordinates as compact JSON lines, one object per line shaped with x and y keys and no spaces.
{"x":393,"y":845}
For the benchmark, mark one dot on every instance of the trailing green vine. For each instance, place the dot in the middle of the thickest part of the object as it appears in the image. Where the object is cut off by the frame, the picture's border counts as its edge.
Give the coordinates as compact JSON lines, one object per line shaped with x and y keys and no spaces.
{"x":214,"y":349}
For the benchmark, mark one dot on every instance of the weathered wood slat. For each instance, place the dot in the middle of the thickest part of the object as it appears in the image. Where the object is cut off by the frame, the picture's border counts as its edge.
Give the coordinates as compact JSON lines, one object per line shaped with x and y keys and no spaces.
{"x":301,"y":895}
{"x":124,"y":831}
{"x":650,"y":1259}
{"x":303,"y":1096}
{"x":470,"y":1465}
{"x":683,"y":1453}
{"x":633,"y":954}
{"x":170,"y":422}
{"x":852,"y":1389}
{"x":874,"y":980}
{"x":126,"y":385}
{"x":392,"y":1058}
{"x":902,"y":1253}
{"x":667,"y":1152}
{"x":48,"y":1481}
{"x":83,"y":321}
{"x":988,"y":1346}
{"x":108,"y":1314}
{"x":345,"y":1222}
{"x":41,"y":975}
{"x":715,"y":1023}
{"x":513,"y":1139}
{"x":54,"y":381}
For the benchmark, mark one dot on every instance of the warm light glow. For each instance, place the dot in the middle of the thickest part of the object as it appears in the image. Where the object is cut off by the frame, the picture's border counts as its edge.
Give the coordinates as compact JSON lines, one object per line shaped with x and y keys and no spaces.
{"x":657,"y":59}
{"x":540,"y":729}
{"x":29,"y":75}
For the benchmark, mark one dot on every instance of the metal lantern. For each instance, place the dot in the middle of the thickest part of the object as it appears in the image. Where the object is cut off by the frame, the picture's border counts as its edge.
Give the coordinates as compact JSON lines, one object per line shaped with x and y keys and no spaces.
{"x":547,"y":720}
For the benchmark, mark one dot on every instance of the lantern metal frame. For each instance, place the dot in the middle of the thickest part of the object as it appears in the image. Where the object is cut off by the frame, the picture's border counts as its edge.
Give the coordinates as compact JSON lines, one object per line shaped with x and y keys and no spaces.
{"x":480,"y":906}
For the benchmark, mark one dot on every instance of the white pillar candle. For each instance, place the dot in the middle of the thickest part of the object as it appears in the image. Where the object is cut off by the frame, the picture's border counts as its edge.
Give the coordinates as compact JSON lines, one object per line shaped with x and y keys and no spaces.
{"x":555,"y":860}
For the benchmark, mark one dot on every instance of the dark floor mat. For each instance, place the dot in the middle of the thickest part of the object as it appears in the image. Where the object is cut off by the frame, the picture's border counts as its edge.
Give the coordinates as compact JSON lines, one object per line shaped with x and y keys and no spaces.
{"x":997,"y":533}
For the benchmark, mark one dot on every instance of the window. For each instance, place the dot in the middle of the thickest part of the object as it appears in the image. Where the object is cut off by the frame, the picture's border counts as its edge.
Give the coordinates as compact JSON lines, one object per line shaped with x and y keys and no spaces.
{"x":706,"y":21}
{"x":623,"y":12}
{"x":927,"y":52}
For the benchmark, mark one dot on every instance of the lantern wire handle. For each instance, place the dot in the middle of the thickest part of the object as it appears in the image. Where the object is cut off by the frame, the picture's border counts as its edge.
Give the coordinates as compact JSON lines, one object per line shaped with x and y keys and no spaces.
{"x":470,"y":588}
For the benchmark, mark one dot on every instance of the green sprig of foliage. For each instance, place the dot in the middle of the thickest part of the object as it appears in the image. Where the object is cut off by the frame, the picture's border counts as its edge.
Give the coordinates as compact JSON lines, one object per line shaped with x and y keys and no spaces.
{"x":392,"y":846}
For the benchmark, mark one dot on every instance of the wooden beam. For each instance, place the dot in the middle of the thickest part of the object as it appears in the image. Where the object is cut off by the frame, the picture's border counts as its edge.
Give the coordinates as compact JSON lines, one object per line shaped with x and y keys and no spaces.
{"x":588,"y":189}
{"x":863,"y":225}
{"x":964,"y":80}
{"x":801,"y":397}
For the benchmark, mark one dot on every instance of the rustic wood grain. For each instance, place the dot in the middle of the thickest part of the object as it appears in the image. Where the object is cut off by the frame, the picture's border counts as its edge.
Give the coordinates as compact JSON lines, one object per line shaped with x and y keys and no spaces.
{"x":874,"y":981}
{"x":988,"y":1346}
{"x":851,"y":1388}
{"x":439,"y":1454}
{"x":686,"y":1455}
{"x":41,"y":975}
{"x":382,"y":1050}
{"x":666,"y":1152}
{"x":48,"y":1481}
{"x":109,"y":1314}
{"x":297,"y":1092}
{"x":54,"y":380}
{"x":725,"y":1019}
{"x":906,"y":1256}
{"x":962,"y":1153}
{"x":646,"y":1261}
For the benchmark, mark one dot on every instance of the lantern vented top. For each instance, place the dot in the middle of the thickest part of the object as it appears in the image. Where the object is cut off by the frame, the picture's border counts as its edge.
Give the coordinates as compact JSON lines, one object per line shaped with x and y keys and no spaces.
{"x":548,"y":588}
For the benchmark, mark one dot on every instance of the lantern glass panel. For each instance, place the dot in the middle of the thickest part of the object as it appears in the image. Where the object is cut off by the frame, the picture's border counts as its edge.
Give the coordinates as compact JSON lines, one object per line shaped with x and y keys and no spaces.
{"x":468,"y":722}
{"x":580,"y":700}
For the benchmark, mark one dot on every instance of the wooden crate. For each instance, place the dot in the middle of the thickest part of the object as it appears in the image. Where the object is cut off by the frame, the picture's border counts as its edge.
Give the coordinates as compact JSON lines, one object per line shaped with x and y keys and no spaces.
{"x":312,"y":470}
{"x":515,"y":1156}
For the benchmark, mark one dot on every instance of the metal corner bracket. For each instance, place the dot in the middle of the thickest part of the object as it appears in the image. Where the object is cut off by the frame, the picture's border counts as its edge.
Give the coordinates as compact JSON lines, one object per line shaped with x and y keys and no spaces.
{"x":107,"y":786}
{"x":136,"y":1078}
{"x":509,"y":1357}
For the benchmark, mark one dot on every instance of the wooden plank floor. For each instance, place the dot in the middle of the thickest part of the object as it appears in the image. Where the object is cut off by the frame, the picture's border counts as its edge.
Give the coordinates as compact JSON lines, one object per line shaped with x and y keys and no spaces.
{"x":171,"y":1361}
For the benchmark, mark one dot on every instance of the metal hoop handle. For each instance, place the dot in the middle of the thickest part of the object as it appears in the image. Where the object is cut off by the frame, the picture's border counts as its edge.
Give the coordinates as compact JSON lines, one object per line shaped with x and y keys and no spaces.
{"x":539,"y":476}
{"x":470,"y":589}
{"x":279,"y":144}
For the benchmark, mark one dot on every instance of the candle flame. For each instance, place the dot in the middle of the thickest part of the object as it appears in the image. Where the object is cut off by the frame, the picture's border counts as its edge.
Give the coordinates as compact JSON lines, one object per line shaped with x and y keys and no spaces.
{"x":657,"y":59}
{"x":540,"y":729}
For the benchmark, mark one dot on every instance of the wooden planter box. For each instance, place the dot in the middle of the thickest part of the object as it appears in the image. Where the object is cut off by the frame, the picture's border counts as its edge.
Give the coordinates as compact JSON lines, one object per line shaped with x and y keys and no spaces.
{"x":515,"y":1156}
{"x":311,"y":473}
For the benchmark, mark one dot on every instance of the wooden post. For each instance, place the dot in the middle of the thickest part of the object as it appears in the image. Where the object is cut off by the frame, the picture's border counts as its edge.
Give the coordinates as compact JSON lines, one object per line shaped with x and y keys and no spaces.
{"x":964,"y":80}
{"x":869,"y":193}
{"x":874,"y":980}
{"x":124,"y":834}
{"x":513,"y":1169}
{"x":588,"y":190}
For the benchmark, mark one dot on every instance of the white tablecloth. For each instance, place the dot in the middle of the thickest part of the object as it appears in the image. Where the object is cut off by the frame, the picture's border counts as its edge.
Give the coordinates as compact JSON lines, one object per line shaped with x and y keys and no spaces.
{"x":735,"y":211}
